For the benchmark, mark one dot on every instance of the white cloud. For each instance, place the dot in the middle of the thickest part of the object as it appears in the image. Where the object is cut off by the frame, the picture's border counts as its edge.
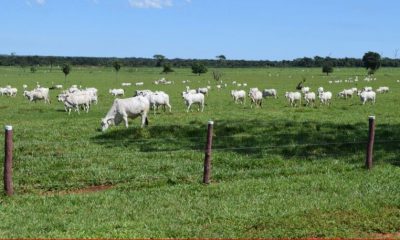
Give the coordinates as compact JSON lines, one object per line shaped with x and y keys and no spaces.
{"x":40,"y":2}
{"x":150,"y":3}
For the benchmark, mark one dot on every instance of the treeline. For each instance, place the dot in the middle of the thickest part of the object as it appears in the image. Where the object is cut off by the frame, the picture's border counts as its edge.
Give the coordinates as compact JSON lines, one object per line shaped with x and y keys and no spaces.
{"x":26,"y":61}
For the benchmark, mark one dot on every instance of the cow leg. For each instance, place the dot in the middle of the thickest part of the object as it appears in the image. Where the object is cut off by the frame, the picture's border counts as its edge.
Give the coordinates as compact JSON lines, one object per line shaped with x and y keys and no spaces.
{"x":187,"y":110}
{"x":125,"y":117}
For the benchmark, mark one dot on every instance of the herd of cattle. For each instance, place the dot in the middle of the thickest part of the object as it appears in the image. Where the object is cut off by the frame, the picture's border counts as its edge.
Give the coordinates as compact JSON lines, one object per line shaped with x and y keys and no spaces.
{"x":75,"y":98}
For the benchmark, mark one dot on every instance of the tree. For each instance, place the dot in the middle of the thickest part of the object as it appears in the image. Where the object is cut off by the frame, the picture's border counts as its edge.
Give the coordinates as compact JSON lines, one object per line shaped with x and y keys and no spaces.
{"x":160,"y":59}
{"x":199,"y":68}
{"x":66,"y":68}
{"x":33,"y":69}
{"x":117,"y":67}
{"x":217,"y":75}
{"x":327,"y":68}
{"x":51,"y":62}
{"x":167,"y":68}
{"x":371,"y":61}
{"x":221,"y":59}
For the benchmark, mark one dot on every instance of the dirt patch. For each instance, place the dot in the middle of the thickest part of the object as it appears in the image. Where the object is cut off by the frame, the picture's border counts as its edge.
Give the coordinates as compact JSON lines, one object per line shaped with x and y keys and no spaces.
{"x":386,"y":235}
{"x":86,"y":190}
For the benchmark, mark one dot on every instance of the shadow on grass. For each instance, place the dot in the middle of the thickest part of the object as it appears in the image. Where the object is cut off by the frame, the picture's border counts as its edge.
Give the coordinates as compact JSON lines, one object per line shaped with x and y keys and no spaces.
{"x":289,"y":139}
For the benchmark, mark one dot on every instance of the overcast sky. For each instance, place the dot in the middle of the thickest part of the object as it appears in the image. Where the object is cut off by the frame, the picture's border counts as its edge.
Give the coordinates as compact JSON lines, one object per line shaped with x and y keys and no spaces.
{"x":239,"y":29}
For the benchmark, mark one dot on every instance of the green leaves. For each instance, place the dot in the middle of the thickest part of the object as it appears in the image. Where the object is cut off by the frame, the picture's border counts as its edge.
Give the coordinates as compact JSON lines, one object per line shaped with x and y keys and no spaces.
{"x":372,"y":61}
{"x":327,"y":68}
{"x":199,"y":68}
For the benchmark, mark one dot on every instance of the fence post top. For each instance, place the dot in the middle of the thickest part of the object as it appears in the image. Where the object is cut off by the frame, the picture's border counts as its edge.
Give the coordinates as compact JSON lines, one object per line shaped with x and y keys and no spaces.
{"x":211,"y":122}
{"x":371,"y":117}
{"x":8,"y":127}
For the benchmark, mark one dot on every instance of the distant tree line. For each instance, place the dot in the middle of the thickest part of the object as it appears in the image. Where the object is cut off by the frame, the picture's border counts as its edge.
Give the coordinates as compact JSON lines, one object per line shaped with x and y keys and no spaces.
{"x":317,"y":61}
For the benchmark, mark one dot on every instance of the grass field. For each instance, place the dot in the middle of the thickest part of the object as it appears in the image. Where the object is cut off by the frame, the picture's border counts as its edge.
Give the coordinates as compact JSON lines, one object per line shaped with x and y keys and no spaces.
{"x":277,"y":171}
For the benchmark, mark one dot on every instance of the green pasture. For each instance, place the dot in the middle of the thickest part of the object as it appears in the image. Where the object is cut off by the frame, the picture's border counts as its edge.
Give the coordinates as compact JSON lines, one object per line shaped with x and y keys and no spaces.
{"x":277,"y":172}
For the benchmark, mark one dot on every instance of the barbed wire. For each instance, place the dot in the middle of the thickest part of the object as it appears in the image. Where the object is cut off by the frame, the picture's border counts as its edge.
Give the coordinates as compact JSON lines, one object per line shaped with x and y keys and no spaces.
{"x":201,"y":147}
{"x":215,"y":138}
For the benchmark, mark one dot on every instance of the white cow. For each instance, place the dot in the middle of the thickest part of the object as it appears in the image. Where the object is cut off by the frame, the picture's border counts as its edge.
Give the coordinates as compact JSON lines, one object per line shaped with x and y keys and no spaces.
{"x":156,"y":99}
{"x":382,"y":90}
{"x":293,"y":97}
{"x":142,"y":92}
{"x":309,"y":98}
{"x":188,"y":90}
{"x":2,"y":91}
{"x":38,"y":94}
{"x":367,"y":89}
{"x":305,"y":89}
{"x":117,"y":92}
{"x":270,"y":92}
{"x":73,"y":89}
{"x":122,"y":109}
{"x":239,"y":95}
{"x":75,"y":101}
{"x":325,"y":97}
{"x":10,"y":91}
{"x":256,"y":97}
{"x":367,"y":96}
{"x":203,"y":91}
{"x":346,"y":93}
{"x":320,"y":90}
{"x":191,"y":98}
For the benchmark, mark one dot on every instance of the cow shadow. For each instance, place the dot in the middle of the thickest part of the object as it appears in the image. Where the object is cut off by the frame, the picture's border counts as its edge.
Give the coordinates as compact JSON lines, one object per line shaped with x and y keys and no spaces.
{"x":310,"y":140}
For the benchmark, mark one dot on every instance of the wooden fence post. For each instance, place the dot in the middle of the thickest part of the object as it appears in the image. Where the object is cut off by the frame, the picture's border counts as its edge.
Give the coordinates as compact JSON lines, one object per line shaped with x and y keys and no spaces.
{"x":8,"y":158}
{"x":207,"y":158}
{"x":370,"y":146}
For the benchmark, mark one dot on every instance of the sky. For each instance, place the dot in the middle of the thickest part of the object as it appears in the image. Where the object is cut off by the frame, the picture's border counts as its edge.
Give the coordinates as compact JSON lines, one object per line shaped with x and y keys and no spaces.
{"x":201,"y":29}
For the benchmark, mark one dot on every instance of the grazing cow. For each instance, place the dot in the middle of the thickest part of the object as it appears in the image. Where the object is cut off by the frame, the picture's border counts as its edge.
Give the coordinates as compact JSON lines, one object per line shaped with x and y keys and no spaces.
{"x":38,"y":94}
{"x":117,"y":92}
{"x":156,"y":99}
{"x":11,"y":91}
{"x":122,"y":109}
{"x":270,"y":92}
{"x":382,"y":90}
{"x":346,"y":93}
{"x":191,"y":98}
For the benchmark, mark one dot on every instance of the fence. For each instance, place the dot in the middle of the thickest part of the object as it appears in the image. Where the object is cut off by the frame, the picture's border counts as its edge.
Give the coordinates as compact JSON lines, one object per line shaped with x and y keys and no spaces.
{"x":110,"y":161}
